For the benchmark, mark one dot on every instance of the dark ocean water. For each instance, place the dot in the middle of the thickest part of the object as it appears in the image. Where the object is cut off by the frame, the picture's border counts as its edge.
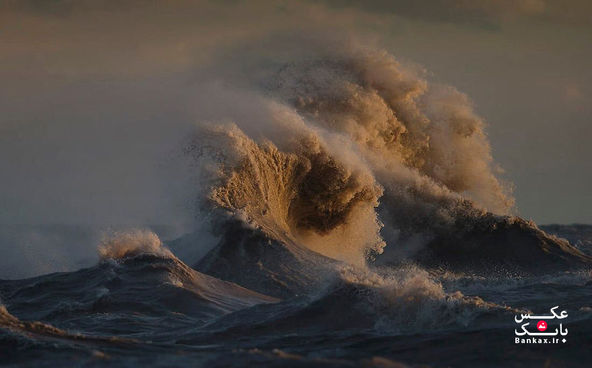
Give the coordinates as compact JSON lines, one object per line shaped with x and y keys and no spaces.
{"x":294,"y":308}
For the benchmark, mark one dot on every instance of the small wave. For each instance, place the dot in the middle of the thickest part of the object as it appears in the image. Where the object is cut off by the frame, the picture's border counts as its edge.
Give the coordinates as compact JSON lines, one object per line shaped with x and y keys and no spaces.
{"x":131,"y":242}
{"x":39,"y":330}
{"x":261,"y":263}
{"x":409,"y":298}
{"x":404,"y":301}
{"x":146,"y":282}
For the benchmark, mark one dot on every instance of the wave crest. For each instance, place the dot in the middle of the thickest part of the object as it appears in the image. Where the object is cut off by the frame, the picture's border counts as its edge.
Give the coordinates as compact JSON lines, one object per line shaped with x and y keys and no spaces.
{"x":304,"y":197}
{"x":130,"y":243}
{"x":398,"y":121}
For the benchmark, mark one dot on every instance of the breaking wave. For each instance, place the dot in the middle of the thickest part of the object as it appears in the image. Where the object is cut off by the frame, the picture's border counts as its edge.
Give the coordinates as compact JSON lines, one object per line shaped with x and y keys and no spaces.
{"x":132,"y":242}
{"x":302,"y":196}
{"x":350,"y":151}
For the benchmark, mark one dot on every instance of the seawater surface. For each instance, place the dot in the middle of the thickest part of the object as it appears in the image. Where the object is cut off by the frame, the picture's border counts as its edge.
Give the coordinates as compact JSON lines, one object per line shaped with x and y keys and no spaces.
{"x":141,"y":305}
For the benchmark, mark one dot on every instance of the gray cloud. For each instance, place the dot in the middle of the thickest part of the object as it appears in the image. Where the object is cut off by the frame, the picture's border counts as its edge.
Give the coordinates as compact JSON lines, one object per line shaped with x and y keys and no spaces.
{"x":479,"y":12}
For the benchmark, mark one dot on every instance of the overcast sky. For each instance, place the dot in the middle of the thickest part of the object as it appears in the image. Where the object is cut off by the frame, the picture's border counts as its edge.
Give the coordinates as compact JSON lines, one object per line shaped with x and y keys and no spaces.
{"x":95,"y":95}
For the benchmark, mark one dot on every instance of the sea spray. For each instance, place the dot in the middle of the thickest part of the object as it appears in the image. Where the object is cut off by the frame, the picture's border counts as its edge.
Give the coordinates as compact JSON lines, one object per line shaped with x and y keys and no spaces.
{"x":303,"y":196}
{"x":131,"y":242}
{"x":345,"y":144}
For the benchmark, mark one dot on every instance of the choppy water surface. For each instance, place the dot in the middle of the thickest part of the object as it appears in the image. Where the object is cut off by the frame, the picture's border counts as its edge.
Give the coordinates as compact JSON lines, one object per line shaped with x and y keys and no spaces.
{"x":141,"y":305}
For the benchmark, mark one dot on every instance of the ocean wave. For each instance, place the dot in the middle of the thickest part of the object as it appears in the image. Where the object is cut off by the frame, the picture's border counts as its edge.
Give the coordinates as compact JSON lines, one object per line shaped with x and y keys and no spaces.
{"x":143,"y":284}
{"x":131,"y":242}
{"x":352,"y":151}
{"x":403,"y":301}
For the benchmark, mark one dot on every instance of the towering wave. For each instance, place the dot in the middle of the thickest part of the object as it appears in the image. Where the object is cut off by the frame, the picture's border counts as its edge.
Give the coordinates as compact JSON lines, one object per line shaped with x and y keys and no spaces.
{"x":350,"y":151}
{"x":412,"y":134}
{"x":301,"y":196}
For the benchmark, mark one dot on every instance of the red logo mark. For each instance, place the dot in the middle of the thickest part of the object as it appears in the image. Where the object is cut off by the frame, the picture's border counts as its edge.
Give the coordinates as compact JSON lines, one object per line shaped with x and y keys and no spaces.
{"x":542,"y":325}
